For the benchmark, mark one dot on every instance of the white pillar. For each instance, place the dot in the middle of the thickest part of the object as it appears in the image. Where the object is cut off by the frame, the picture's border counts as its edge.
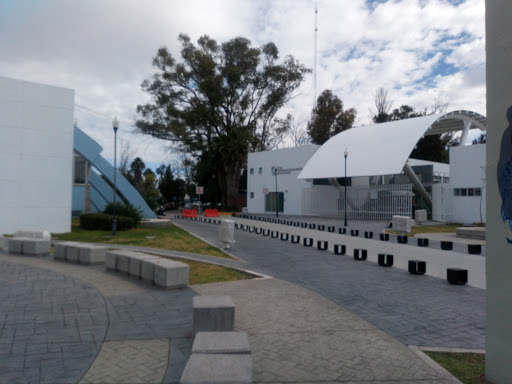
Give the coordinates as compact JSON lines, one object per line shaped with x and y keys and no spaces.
{"x":465,"y":131}
{"x":498,"y":367}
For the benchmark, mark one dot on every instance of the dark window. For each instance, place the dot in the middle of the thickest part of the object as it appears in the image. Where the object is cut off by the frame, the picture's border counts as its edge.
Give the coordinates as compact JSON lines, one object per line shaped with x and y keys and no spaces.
{"x":251,"y":171}
{"x":456,"y":191}
{"x":478,"y":191}
{"x":260,"y":171}
{"x":471,"y":191}
{"x":80,"y":172}
{"x":463,"y":192}
{"x":252,"y":195}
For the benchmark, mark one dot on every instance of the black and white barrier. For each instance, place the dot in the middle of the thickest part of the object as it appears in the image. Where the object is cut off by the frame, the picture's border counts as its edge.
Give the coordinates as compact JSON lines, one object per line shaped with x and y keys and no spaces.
{"x":258,"y":231}
{"x":322,"y":245}
{"x":321,"y":227}
{"x":446,"y":245}
{"x":422,"y":242}
{"x":307,"y":242}
{"x":251,"y":229}
{"x":402,"y":239}
{"x":303,"y":225}
{"x":296,"y":224}
{"x":266,"y":232}
{"x":385,"y":260}
{"x":342,"y":231}
{"x":354,"y":232}
{"x":284,"y":236}
{"x":360,"y":254}
{"x":384,"y":237}
{"x":340,"y":249}
{"x":312,"y":226}
{"x":295,"y":239}
{"x":457,"y":276}
{"x":368,"y":235}
{"x":331,"y":228}
{"x":417,"y":267}
{"x":474,"y":249}
{"x":274,"y":234}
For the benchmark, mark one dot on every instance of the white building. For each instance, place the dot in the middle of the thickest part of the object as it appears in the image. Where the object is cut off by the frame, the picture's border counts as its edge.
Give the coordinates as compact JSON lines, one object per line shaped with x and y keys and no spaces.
{"x":381,"y":180}
{"x":36,"y":153}
{"x":261,"y":180}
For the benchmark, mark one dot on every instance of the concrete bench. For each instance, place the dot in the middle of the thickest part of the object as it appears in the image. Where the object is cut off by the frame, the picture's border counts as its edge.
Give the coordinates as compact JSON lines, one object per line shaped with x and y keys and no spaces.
{"x":213,"y":313}
{"x":204,"y":368}
{"x":162,"y":272}
{"x":221,"y":342}
{"x":28,"y":246}
{"x":219,"y":357}
{"x":82,"y":253}
{"x":402,"y":223}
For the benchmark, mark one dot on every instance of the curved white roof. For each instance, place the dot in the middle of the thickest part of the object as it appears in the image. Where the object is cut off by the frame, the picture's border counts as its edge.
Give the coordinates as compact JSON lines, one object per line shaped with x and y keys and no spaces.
{"x":381,"y":149}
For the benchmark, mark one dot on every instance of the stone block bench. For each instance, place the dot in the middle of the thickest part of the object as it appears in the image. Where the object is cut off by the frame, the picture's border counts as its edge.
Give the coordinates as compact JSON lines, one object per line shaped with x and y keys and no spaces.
{"x":219,"y":357}
{"x":213,"y":313}
{"x":80,"y":253}
{"x":28,"y":246}
{"x":162,"y":272}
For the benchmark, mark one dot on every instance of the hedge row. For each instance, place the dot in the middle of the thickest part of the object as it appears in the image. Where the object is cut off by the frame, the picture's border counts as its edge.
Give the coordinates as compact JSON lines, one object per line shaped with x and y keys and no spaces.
{"x":103,"y":221}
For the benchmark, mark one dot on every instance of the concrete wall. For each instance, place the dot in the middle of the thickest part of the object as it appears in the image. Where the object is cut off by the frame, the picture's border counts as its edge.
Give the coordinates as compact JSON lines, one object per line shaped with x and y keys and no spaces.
{"x":467,"y":171}
{"x":498,"y":365}
{"x":291,"y":160}
{"x":36,"y":153}
{"x":442,"y":198}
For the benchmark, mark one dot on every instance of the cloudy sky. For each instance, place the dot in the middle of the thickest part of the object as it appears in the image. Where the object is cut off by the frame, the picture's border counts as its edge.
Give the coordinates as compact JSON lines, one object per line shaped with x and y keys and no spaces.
{"x":419,"y":50}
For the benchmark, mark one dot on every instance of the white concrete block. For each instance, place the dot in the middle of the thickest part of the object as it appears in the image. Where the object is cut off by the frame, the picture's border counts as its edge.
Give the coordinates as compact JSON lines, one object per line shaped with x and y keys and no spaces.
{"x":213,"y":313}
{"x":135,"y":267}
{"x":170,"y":273}
{"x":73,"y":253}
{"x":15,"y":245}
{"x":111,"y":260}
{"x":91,"y":254}
{"x":36,"y":247}
{"x":221,"y":342}
{"x":218,"y":368}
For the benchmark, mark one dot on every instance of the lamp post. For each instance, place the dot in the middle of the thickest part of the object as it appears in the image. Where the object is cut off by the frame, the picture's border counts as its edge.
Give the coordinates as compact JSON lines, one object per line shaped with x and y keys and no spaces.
{"x":115,"y":125}
{"x":346,"y":154}
{"x":274,"y":169}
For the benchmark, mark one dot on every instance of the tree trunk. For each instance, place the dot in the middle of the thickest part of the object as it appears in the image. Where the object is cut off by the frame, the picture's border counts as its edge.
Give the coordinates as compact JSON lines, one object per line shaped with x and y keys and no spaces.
{"x":229,"y":180}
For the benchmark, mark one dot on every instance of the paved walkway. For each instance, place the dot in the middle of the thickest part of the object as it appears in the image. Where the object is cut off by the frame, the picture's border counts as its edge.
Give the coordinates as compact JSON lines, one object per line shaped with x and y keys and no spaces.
{"x":417,"y":310}
{"x":324,"y":319}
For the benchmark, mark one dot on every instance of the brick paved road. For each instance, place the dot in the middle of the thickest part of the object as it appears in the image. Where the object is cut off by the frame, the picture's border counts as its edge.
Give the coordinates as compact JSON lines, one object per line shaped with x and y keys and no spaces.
{"x":417,"y":310}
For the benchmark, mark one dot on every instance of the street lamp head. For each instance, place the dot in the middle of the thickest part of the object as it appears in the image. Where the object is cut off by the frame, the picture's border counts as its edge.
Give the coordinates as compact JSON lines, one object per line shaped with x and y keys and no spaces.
{"x":115,"y":124}
{"x":346,"y":152}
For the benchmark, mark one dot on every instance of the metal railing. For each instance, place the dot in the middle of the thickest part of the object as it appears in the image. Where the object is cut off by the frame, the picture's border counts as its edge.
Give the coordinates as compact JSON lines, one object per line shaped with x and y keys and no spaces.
{"x":374,"y":202}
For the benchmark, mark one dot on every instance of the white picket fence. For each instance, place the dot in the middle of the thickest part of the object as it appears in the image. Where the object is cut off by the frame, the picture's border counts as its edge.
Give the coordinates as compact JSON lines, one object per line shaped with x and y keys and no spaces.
{"x":374,"y":202}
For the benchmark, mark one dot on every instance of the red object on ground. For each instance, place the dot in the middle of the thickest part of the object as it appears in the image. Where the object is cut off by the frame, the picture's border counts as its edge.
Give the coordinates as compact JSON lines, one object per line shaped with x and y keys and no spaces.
{"x":189,"y":213}
{"x":211,"y":213}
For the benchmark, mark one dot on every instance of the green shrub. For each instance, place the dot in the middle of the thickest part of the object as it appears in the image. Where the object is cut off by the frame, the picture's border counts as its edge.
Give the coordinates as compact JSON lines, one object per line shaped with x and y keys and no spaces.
{"x":102,"y":221}
{"x":126,"y":210}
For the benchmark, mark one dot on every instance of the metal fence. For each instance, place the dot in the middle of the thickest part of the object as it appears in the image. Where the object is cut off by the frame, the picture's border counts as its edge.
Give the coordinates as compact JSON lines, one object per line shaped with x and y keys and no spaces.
{"x":374,"y":202}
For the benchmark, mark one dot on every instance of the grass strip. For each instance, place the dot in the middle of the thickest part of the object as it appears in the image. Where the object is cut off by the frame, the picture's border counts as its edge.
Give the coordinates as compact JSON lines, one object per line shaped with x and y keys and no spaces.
{"x":416,"y":230}
{"x":467,"y":367}
{"x":169,"y":238}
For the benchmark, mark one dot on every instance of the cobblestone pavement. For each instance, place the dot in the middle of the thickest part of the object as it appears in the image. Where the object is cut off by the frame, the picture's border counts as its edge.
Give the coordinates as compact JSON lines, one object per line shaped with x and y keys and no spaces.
{"x":298,"y":336}
{"x":416,"y":310}
{"x":62,"y":322}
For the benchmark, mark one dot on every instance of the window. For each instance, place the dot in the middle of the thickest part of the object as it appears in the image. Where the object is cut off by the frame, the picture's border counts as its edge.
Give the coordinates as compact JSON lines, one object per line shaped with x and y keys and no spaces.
{"x":272,"y":199}
{"x":81,"y":169}
{"x":260,"y":171}
{"x":471,"y":191}
{"x":251,"y":171}
{"x":252,"y":195}
{"x":456,"y":191}
{"x":478,"y":191}
{"x":463,"y":192}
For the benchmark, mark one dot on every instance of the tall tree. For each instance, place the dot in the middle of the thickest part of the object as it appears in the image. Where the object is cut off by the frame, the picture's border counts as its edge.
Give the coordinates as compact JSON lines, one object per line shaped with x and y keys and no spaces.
{"x":136,"y":168}
{"x":220,"y":99}
{"x":329,"y":118}
{"x":382,"y":106}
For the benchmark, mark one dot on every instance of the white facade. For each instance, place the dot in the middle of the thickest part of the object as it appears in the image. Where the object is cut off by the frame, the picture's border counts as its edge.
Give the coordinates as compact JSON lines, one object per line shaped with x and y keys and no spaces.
{"x":260,"y":179}
{"x":467,"y":179}
{"x":36,"y":153}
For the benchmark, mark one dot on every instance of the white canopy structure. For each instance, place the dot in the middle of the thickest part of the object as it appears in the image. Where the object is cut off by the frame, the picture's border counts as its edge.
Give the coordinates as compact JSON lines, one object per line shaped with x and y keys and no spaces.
{"x":383,"y":149}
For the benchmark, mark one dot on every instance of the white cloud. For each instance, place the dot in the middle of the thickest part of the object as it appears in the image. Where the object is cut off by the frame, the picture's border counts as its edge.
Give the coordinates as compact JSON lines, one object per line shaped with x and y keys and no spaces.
{"x":103,"y":49}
